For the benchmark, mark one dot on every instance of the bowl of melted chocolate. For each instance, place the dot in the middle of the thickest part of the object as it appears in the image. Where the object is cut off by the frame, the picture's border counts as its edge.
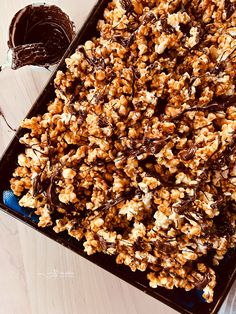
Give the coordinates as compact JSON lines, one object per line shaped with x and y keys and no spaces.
{"x":39,"y":34}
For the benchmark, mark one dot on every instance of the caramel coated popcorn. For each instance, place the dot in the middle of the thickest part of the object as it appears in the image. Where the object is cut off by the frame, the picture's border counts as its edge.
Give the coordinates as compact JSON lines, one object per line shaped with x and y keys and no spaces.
{"x":136,"y":155}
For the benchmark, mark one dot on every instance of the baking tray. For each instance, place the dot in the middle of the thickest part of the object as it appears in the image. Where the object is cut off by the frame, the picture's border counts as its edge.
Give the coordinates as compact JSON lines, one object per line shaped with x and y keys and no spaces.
{"x":178,"y":299}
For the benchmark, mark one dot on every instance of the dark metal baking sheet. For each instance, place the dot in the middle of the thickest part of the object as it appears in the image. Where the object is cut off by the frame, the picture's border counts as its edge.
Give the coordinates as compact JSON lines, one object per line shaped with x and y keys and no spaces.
{"x":184,"y":302}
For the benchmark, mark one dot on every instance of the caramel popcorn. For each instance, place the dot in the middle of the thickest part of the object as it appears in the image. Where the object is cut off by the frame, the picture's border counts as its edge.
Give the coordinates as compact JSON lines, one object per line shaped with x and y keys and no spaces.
{"x":136,"y":154}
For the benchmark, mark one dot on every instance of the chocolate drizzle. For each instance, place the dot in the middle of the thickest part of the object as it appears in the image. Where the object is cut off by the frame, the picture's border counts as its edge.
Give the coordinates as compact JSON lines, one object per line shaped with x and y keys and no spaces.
{"x":223,"y":157}
{"x":165,"y":247}
{"x":53,"y":199}
{"x":104,"y":244}
{"x":184,"y":205}
{"x":94,"y":62}
{"x":125,"y":196}
{"x":230,"y":8}
{"x":37,"y":185}
{"x":220,"y":104}
{"x":125,"y":42}
{"x":39,"y":35}
{"x":188,"y":153}
{"x":127,"y":5}
{"x":149,"y":18}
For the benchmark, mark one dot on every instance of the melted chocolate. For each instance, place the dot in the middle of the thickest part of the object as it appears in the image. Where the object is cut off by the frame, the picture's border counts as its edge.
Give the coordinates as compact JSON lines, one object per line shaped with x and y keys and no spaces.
{"x":126,"y":196}
{"x":165,"y":247}
{"x":156,"y":146}
{"x":149,"y":18}
{"x":53,"y":199}
{"x":161,"y":107}
{"x":127,"y":5}
{"x":102,"y":123}
{"x":184,"y":205}
{"x":218,"y":105}
{"x":94,"y":62}
{"x":37,"y":185}
{"x":188,"y":153}
{"x":203,"y":283}
{"x":223,"y":157}
{"x":125,"y":42}
{"x":166,"y":27}
{"x":39,"y":35}
{"x":230,"y":8}
{"x":104,"y":244}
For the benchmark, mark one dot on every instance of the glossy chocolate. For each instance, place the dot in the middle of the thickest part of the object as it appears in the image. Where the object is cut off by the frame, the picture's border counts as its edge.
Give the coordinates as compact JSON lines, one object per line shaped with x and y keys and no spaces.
{"x":39,"y":35}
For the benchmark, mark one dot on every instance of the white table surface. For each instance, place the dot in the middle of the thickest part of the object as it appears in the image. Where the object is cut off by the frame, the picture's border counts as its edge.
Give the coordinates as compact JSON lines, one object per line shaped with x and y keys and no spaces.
{"x":37,"y":275}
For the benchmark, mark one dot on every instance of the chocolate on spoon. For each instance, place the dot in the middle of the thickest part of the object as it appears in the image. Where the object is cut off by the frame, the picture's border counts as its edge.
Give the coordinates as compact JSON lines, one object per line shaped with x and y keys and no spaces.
{"x":39,"y":35}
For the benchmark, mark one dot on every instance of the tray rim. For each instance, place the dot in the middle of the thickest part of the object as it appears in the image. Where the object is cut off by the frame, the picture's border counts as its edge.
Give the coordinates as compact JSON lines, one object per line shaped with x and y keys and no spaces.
{"x":49,"y":233}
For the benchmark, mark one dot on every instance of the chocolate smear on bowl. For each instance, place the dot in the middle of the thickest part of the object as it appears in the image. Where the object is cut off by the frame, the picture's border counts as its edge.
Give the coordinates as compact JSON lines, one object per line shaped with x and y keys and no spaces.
{"x":39,"y":34}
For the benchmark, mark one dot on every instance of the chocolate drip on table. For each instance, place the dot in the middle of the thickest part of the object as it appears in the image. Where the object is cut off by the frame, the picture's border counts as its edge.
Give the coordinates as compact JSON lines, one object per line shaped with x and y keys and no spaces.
{"x":7,"y":123}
